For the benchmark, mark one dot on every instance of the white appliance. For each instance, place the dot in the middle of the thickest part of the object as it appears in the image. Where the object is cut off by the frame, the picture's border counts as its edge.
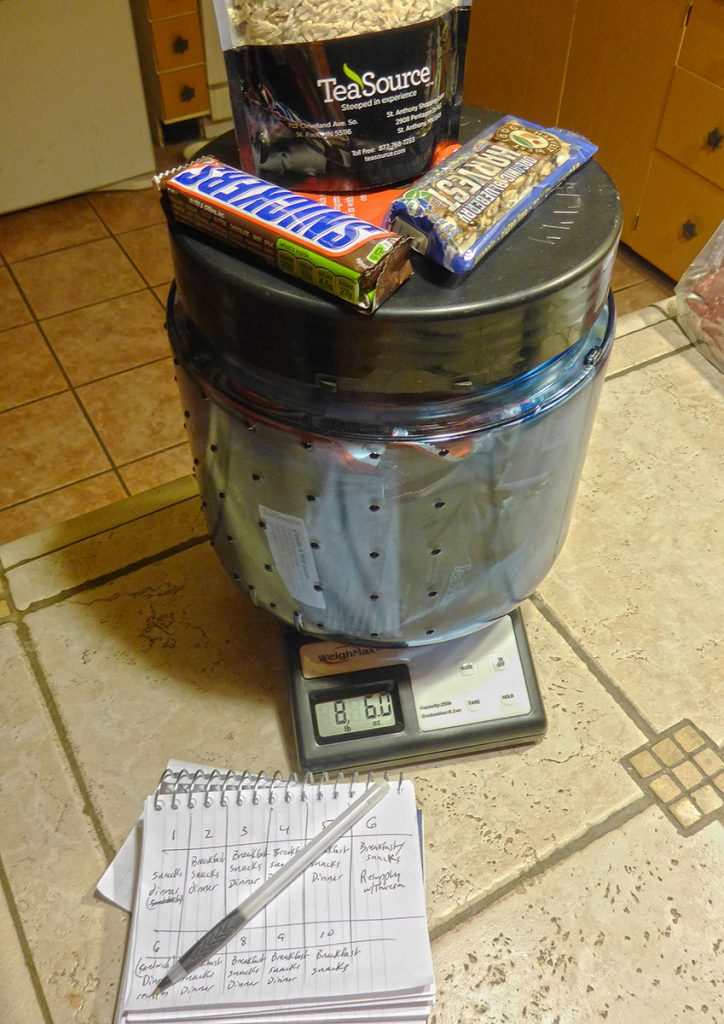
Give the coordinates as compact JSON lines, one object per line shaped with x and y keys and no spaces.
{"x":73,"y":112}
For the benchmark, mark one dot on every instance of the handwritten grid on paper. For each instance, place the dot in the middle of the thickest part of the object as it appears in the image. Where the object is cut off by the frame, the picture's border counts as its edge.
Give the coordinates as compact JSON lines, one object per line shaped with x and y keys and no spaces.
{"x":352,"y":926}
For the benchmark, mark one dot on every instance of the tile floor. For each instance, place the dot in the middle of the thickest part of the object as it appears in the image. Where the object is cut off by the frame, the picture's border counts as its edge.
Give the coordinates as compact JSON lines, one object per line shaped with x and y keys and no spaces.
{"x":575,"y":881}
{"x":89,"y":412}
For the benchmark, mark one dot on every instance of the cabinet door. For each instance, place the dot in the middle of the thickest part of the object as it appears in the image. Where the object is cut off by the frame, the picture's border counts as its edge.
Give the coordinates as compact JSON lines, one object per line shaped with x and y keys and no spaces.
{"x":517,"y":56}
{"x":621,"y":61}
{"x":692,"y":131}
{"x":680,"y":212}
{"x":703,"y":48}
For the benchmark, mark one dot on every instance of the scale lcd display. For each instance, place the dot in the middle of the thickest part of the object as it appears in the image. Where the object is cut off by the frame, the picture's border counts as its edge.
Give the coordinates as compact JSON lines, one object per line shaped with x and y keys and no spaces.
{"x":361,"y":713}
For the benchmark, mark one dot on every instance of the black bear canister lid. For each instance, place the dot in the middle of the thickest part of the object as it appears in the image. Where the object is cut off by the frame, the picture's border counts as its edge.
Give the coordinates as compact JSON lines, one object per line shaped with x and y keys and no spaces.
{"x":530,"y":298}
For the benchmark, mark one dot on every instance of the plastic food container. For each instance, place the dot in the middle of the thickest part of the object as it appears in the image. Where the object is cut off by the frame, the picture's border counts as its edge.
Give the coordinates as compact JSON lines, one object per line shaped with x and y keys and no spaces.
{"x":408,"y":477}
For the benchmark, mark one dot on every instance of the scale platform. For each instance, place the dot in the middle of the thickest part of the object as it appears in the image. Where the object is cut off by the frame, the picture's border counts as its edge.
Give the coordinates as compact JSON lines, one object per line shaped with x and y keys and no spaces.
{"x":356,"y":706}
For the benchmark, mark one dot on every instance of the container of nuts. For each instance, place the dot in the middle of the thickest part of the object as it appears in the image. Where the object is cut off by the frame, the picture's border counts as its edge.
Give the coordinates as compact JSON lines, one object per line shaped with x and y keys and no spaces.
{"x":343,"y":95}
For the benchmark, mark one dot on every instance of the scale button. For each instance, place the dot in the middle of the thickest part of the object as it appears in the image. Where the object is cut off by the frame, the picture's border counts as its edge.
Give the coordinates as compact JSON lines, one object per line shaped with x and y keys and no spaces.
{"x":507,"y":698}
{"x":498,"y":662}
{"x":473,"y":702}
{"x":468,"y":668}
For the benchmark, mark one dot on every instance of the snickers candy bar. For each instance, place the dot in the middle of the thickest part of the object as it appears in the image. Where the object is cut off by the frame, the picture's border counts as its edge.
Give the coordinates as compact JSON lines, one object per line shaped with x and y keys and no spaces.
{"x":357,"y":262}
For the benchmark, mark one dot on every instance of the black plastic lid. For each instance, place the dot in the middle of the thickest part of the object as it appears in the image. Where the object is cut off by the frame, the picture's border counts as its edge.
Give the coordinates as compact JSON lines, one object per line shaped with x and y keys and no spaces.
{"x":530,"y":298}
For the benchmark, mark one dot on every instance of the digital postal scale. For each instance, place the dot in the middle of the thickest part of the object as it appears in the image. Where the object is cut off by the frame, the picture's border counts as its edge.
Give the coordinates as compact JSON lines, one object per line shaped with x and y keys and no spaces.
{"x":356,"y":706}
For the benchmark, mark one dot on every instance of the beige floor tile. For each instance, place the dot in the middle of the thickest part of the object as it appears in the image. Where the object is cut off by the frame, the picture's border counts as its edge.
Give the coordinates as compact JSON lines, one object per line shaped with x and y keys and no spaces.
{"x":137,"y":412}
{"x":58,"y":506}
{"x":125,"y":210}
{"x":52,"y":858}
{"x":638,"y":346}
{"x":625,"y":930}
{"x":78,"y":553}
{"x":201,"y":674}
{"x":149,"y":250}
{"x":159,"y":661}
{"x":46,"y":445}
{"x":19,"y":999}
{"x":668,"y":305}
{"x":109,"y":337}
{"x":76,"y":277}
{"x":648,"y":511}
{"x":13,"y":308}
{"x":638,"y":319}
{"x":28,"y":370}
{"x":628,"y":300}
{"x":504,"y":811}
{"x":157,"y":469}
{"x":47,"y":228}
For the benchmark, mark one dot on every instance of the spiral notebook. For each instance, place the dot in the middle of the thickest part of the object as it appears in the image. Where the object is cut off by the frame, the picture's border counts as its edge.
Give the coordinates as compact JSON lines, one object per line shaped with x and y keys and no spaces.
{"x":347,"y":941}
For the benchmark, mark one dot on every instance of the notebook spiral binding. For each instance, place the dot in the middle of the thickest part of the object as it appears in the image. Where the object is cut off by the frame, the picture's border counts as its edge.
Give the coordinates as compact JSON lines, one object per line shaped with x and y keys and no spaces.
{"x":246,"y":785}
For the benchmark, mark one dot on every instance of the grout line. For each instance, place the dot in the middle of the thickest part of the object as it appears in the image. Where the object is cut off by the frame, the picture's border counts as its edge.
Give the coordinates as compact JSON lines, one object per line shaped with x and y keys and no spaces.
{"x":26,"y":642}
{"x":607,"y":681}
{"x":128,"y":369}
{"x":115,"y":574}
{"x":648,"y":362}
{"x":61,"y":249}
{"x":96,"y":433}
{"x":552,"y":860}
{"x":144,"y":278}
{"x":24,"y":944}
{"x":56,"y":538}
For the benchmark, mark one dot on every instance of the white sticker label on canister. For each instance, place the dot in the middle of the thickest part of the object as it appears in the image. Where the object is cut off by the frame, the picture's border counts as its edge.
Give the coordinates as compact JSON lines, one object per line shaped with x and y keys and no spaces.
{"x":292,"y":554}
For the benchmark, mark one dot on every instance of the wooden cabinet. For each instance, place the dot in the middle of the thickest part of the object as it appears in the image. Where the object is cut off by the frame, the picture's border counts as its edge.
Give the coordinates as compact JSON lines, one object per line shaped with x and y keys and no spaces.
{"x":683,"y":201}
{"x":173,"y":66}
{"x":644,"y":81}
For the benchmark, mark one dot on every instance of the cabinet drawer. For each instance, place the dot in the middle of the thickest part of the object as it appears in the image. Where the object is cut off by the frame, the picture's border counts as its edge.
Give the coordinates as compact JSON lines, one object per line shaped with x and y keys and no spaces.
{"x":679,"y":213}
{"x":702,"y":50}
{"x":692,"y":130}
{"x":177,"y":42}
{"x":169,"y":8}
{"x":184,"y":93}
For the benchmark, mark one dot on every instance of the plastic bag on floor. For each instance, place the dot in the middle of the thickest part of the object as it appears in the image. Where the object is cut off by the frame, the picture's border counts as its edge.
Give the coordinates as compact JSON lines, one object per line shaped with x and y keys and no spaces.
{"x":700,"y":299}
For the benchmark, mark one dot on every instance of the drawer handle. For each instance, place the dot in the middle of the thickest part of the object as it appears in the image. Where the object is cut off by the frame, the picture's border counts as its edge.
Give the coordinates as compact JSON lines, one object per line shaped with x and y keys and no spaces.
{"x":180,"y":44}
{"x":714,"y":139}
{"x":187,"y":93}
{"x":688,"y":229}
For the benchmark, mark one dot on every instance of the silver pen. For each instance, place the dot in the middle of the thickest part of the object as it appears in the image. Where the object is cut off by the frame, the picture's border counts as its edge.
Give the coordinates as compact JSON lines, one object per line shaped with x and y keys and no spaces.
{"x":228,"y":926}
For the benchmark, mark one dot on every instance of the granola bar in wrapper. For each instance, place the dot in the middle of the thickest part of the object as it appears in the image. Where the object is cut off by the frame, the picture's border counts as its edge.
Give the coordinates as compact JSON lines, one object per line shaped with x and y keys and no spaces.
{"x":344,"y":256}
{"x":459,"y":210}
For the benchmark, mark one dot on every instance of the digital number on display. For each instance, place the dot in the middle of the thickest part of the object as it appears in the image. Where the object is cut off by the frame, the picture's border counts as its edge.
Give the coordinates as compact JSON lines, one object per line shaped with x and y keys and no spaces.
{"x":363,"y":713}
